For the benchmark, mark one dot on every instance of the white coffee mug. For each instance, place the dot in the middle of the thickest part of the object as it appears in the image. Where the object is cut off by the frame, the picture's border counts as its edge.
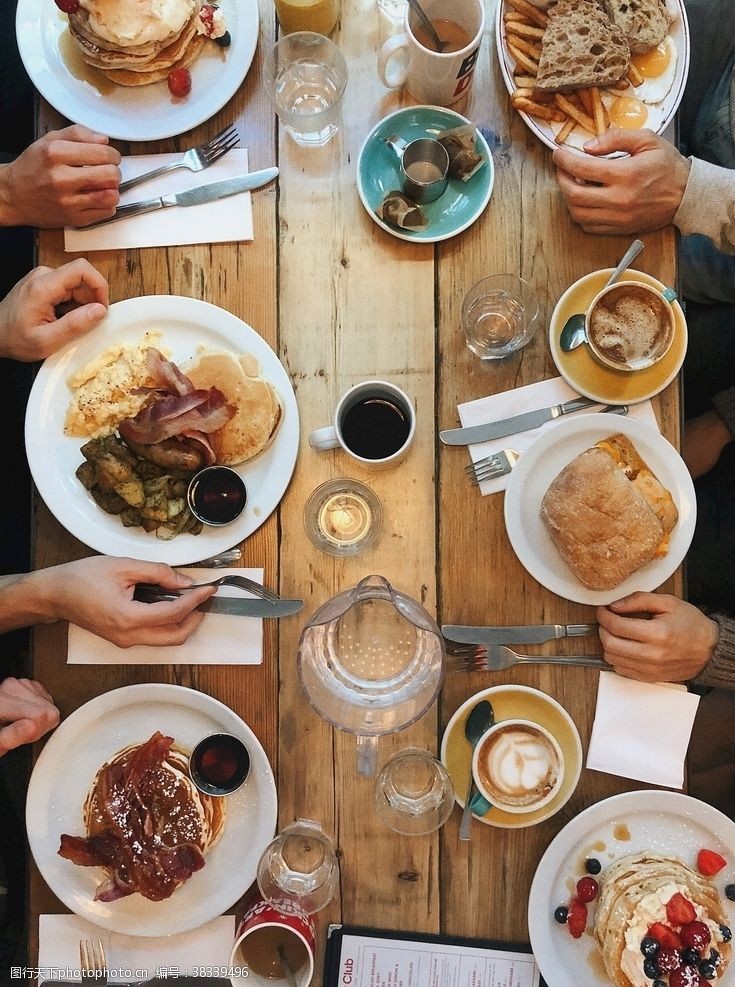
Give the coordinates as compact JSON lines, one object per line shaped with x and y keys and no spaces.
{"x":439,"y":78}
{"x":374,"y":423}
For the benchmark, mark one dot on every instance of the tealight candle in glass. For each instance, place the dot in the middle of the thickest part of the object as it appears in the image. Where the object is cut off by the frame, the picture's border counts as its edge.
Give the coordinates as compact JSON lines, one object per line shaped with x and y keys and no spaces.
{"x":343,"y":517}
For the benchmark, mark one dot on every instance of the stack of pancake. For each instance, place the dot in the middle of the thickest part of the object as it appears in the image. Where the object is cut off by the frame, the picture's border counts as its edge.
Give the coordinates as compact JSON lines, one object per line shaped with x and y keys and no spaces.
{"x":633,"y":896}
{"x":137,"y":42}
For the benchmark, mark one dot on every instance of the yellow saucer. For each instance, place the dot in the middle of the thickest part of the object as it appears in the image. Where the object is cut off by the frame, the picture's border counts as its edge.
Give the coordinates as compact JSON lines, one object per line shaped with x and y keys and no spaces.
{"x":514,"y":702}
{"x":587,"y":375}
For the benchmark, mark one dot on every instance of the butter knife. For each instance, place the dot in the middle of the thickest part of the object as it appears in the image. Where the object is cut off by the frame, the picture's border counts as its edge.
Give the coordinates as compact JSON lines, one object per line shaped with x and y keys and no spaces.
{"x":193,"y":196}
{"x":511,"y":426}
{"x":519,"y":634}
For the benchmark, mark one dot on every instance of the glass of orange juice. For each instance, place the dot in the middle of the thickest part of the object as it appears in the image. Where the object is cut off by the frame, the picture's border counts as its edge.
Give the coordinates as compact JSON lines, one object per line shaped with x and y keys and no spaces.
{"x":307,"y":15}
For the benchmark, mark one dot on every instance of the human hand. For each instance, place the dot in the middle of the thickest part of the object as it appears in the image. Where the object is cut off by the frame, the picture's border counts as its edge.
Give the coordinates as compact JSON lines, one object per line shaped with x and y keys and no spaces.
{"x":69,"y":177}
{"x":674,"y":644}
{"x":27,"y":712}
{"x":97,"y":594}
{"x":635,"y":194}
{"x":702,"y":443}
{"x":31,"y":328}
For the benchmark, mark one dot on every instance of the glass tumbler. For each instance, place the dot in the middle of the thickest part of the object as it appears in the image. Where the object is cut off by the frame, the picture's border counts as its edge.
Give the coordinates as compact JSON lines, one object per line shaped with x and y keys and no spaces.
{"x":305,"y":75}
{"x":299,"y":868}
{"x":499,"y":316}
{"x":414,"y":793}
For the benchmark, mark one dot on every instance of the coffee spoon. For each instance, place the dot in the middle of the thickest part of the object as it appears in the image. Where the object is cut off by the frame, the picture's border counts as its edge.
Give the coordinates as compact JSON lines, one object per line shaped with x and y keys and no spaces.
{"x":574,"y":332}
{"x":478,"y":722}
{"x":418,"y":9}
{"x":285,"y":966}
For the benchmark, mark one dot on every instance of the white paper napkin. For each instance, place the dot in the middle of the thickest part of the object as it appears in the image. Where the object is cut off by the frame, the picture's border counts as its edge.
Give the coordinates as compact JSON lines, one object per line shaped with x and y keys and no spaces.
{"x":220,"y":639}
{"x":225,"y":220}
{"x":131,"y":957}
{"x":532,"y":397}
{"x":641,"y":730}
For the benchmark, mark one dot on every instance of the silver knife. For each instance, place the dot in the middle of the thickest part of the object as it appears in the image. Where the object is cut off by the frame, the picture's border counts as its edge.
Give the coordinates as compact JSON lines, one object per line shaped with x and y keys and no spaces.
{"x":193,"y":196}
{"x":510,"y":426}
{"x":529,"y":634}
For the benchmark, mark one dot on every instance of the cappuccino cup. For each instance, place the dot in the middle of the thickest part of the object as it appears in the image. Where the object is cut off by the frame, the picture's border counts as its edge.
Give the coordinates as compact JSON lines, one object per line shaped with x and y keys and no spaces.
{"x":630,"y":326}
{"x":518,"y":766}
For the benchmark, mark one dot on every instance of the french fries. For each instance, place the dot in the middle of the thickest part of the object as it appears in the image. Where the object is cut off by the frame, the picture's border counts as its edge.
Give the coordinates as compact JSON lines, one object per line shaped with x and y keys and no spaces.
{"x":524,"y":26}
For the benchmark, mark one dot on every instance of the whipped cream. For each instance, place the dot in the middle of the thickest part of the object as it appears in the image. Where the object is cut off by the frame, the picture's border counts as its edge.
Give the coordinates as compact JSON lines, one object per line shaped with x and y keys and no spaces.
{"x":650,"y":909}
{"x":211,"y":22}
{"x":136,"y":22}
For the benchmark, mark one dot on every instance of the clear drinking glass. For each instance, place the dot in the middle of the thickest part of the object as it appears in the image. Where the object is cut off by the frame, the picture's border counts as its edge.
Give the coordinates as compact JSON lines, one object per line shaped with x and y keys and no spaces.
{"x":499,"y":316}
{"x":343,"y":517}
{"x":305,"y":75}
{"x":299,"y":867}
{"x":414,"y":793}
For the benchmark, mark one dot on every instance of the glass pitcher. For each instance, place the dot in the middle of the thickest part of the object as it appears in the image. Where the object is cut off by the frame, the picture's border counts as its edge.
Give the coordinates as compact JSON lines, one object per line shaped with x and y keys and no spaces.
{"x":371,"y":661}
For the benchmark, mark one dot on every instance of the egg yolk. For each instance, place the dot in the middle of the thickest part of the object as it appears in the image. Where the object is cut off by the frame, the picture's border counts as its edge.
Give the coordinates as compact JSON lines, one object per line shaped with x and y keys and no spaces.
{"x":653,"y":63}
{"x":629,"y":113}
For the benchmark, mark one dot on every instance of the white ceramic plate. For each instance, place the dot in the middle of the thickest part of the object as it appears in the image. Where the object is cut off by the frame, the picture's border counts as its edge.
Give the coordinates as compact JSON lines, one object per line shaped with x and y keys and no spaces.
{"x":66,"y":769}
{"x":542,"y":463}
{"x":663,"y":822}
{"x":184,"y":324}
{"x":665,"y":110}
{"x":137,"y":113}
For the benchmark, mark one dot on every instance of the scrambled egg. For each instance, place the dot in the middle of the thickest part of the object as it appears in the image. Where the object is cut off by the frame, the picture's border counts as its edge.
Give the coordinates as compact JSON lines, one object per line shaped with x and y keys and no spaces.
{"x":102,"y":389}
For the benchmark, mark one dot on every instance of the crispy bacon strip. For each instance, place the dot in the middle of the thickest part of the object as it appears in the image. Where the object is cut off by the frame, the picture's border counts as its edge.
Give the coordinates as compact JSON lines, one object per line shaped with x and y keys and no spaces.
{"x":177,"y":409}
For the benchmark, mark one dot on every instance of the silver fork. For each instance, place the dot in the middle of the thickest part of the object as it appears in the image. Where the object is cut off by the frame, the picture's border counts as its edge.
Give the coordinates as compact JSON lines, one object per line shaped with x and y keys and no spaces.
{"x":150,"y":593}
{"x":496,"y":658}
{"x":501,"y":463}
{"x":92,"y":961}
{"x":492,"y":466}
{"x":195,"y":159}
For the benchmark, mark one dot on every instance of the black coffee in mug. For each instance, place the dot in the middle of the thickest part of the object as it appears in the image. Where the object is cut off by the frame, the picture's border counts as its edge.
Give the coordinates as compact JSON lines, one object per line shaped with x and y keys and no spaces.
{"x":375,"y":427}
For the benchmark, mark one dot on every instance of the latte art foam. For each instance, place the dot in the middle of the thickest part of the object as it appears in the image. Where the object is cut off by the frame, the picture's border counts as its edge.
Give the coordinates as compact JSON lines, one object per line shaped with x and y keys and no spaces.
{"x":518,"y":766}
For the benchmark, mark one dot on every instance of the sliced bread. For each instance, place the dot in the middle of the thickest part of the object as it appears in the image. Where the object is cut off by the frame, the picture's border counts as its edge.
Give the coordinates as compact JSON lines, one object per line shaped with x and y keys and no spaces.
{"x":645,"y":22}
{"x":581,"y":47}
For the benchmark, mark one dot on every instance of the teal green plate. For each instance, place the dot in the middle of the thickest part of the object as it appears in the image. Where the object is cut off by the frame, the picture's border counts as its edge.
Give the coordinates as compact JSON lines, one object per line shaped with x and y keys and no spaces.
{"x":378,"y":174}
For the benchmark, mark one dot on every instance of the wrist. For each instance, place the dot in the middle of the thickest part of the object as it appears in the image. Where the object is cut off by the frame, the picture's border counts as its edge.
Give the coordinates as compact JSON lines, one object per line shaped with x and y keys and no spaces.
{"x":26,"y":600}
{"x":9,"y":215}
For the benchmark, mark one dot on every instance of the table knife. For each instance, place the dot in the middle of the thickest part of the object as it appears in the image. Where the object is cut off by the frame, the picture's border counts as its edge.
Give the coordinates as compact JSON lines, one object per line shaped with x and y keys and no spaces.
{"x":193,"y":196}
{"x":511,"y":426}
{"x":520,"y":634}
{"x":241,"y":607}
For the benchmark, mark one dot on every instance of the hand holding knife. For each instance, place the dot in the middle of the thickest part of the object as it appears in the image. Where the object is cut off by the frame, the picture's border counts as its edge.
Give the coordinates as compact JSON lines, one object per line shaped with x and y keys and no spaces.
{"x":192,"y":197}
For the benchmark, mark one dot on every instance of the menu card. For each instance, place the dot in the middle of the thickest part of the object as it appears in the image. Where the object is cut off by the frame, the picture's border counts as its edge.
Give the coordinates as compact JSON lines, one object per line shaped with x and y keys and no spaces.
{"x":378,"y":958}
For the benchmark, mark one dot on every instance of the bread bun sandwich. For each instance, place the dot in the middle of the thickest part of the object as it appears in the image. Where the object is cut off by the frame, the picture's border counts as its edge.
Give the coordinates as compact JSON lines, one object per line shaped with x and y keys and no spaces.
{"x":608,"y":514}
{"x":257,"y":408}
{"x":581,"y":47}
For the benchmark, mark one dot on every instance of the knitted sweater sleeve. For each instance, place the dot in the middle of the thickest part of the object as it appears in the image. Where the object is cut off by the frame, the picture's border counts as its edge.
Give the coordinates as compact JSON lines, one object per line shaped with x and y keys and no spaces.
{"x":720,"y":672}
{"x":708,"y":205}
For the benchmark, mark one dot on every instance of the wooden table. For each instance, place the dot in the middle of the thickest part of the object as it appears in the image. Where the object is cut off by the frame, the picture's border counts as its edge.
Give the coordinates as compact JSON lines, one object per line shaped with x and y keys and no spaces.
{"x":341,"y":300}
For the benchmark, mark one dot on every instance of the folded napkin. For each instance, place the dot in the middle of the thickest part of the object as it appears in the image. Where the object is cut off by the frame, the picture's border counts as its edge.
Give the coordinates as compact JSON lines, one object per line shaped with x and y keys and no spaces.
{"x":131,"y":957}
{"x":222,"y":221}
{"x":641,"y":730}
{"x":532,"y":397}
{"x":220,"y":639}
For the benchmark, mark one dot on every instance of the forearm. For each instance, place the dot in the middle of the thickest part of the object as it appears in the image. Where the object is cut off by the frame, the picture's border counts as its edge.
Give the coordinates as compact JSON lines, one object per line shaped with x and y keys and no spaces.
{"x":708,"y":205}
{"x":25,"y":600}
{"x":719,"y":673}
